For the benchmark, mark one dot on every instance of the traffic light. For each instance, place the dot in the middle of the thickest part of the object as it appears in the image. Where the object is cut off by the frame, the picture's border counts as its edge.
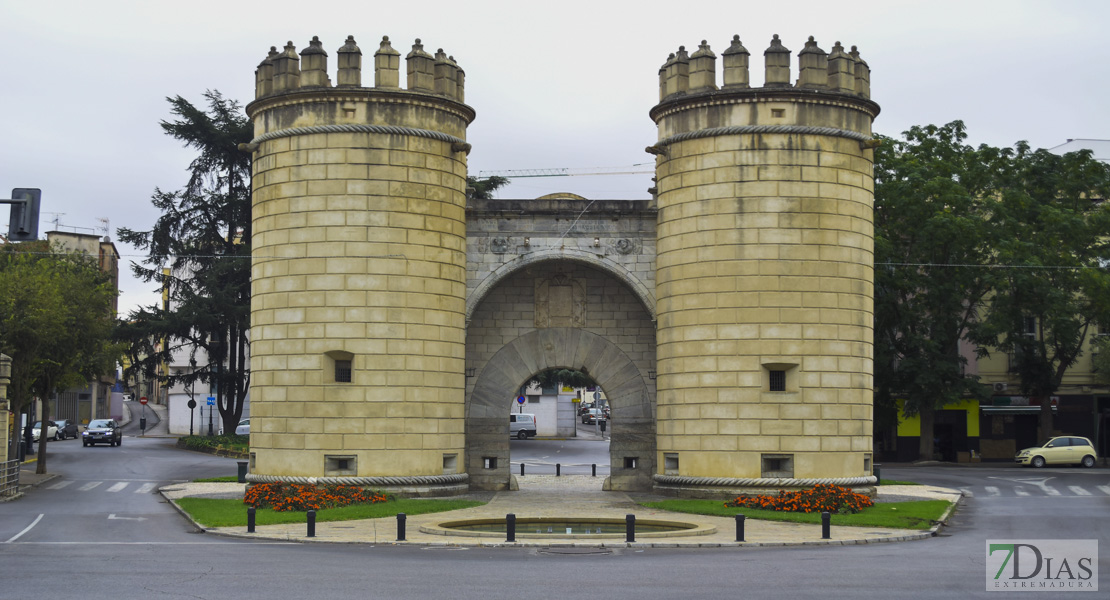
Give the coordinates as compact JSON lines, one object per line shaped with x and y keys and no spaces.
{"x":23,"y":225}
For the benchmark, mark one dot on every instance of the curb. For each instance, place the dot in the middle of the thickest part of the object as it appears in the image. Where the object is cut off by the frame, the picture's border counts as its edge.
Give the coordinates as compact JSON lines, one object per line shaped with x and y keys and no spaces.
{"x":925,"y":534}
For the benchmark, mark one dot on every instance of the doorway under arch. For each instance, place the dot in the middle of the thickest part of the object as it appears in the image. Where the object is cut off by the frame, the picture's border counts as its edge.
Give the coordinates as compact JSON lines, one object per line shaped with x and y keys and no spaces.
{"x":561,"y":314}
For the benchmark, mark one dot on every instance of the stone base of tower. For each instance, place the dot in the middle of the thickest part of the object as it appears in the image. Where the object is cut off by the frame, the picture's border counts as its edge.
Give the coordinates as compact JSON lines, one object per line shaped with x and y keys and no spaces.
{"x":725,"y":488}
{"x":430,"y":486}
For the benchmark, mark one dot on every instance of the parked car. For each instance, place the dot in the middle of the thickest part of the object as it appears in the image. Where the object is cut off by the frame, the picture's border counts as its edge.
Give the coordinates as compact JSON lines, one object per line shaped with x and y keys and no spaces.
{"x":66,"y":429}
{"x":101,"y":431}
{"x":592,"y":415}
{"x":522,"y":426}
{"x":1063,"y":450}
{"x":51,"y":430}
{"x":243,"y":428}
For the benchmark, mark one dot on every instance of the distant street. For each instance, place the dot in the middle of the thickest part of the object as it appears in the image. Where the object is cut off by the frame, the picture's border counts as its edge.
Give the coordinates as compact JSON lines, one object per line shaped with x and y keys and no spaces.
{"x":100,"y":527}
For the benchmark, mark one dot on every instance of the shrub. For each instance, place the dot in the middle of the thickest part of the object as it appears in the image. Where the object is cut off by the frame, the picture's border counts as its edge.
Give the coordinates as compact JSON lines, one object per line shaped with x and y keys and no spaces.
{"x":820,"y":498}
{"x":281,"y":496}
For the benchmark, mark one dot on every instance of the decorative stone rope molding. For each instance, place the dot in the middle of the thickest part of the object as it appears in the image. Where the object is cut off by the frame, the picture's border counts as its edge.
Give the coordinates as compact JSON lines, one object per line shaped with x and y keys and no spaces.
{"x":364,"y":481}
{"x":660,"y":148}
{"x":457,"y":144}
{"x":760,"y":482}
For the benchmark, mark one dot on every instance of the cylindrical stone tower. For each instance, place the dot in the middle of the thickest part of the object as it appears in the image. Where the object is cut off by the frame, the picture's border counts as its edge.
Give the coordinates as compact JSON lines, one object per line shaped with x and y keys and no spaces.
{"x":359,"y":271}
{"x":765,"y":274}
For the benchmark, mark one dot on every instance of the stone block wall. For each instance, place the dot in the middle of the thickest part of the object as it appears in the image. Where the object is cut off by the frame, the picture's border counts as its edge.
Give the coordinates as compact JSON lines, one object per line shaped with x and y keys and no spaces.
{"x":359,"y":271}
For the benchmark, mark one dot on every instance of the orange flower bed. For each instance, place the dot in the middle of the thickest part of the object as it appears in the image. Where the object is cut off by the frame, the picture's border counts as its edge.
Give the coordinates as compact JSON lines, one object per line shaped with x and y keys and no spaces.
{"x":283,"y":497}
{"x":820,"y":498}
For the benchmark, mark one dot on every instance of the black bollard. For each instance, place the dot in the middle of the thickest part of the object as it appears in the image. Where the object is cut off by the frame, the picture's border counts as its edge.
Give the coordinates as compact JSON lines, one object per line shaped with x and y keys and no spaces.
{"x":401,"y":527}
{"x":522,"y":469}
{"x":593,"y":470}
{"x":250,"y":520}
{"x":558,"y":468}
{"x":825,"y":518}
{"x":630,"y":528}
{"x":739,"y":528}
{"x":878,"y":477}
{"x":510,"y":527}
{"x":243,"y":471}
{"x":311,"y":523}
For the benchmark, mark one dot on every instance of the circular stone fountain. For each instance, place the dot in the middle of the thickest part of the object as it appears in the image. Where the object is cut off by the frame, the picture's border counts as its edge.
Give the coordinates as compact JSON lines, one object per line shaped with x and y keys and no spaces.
{"x":567,"y":527}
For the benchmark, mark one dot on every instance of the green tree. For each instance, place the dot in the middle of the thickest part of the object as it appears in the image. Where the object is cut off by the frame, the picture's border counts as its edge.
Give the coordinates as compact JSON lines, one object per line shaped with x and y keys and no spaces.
{"x":203,"y":236}
{"x":482,"y":189}
{"x":570,"y":377}
{"x":932,"y":240}
{"x":55,"y":322}
{"x":1054,"y":228}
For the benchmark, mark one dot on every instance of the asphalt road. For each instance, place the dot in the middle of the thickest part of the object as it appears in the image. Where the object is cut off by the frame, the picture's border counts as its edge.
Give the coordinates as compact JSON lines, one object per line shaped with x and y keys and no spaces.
{"x":119,"y":539}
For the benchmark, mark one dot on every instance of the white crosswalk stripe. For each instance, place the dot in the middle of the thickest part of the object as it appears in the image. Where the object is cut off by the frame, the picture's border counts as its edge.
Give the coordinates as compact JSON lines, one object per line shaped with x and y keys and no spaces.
{"x":1078,"y":491}
{"x":146,"y":488}
{"x":1105,"y":489}
{"x":60,"y":485}
{"x":967,"y":492}
{"x":992,"y":490}
{"x":118,"y":487}
{"x":88,"y":486}
{"x":1020,"y":491}
{"x":1050,"y":491}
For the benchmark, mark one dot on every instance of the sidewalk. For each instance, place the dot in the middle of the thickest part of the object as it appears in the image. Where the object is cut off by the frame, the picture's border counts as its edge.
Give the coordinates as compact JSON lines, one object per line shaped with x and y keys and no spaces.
{"x":574,"y":497}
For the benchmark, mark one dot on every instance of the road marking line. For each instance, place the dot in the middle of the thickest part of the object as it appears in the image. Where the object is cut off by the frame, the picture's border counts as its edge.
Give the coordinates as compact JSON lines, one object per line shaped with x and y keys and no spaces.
{"x":1078,"y":491}
{"x":1051,"y":491}
{"x":993,"y":491}
{"x":1020,"y":491}
{"x":118,"y":487}
{"x":145,"y":488}
{"x":60,"y":485}
{"x":1105,"y":489}
{"x":88,"y":486}
{"x":28,"y":528}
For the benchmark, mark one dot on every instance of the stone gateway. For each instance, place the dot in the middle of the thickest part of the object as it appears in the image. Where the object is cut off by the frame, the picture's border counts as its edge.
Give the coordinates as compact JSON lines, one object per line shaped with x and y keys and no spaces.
{"x":728,"y":319}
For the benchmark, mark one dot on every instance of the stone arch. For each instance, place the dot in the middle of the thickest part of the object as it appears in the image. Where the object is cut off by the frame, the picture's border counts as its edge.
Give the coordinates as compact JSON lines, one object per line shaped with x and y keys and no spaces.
{"x":628,"y":389}
{"x":616,"y":270}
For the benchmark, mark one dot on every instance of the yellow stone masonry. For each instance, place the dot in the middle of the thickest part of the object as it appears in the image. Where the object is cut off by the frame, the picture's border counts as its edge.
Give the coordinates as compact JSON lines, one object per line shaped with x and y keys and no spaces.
{"x":359,"y":256}
{"x":764,"y":269}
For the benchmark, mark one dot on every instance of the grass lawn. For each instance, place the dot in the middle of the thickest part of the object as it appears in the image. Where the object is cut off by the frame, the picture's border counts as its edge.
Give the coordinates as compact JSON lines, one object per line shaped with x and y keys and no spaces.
{"x":902,"y":515}
{"x":227,"y":479}
{"x":216,"y":512}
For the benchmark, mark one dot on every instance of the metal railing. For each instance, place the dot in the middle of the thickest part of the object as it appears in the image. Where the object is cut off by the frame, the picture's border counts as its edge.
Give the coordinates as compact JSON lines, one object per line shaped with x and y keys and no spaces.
{"x":9,"y":478}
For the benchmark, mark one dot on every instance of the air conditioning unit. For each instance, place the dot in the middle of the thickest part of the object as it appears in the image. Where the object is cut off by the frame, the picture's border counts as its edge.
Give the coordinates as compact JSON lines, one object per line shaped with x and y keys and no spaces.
{"x":1000,"y":386}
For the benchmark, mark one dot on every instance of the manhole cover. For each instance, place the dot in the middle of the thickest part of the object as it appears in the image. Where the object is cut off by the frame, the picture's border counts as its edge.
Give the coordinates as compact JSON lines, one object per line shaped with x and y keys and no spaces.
{"x":594,"y":551}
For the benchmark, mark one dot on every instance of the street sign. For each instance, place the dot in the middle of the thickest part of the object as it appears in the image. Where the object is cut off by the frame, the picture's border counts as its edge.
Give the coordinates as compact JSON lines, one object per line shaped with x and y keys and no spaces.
{"x":597,"y":395}
{"x":192,"y":404}
{"x":142,"y":400}
{"x":520,"y":400}
{"x":211,"y":401}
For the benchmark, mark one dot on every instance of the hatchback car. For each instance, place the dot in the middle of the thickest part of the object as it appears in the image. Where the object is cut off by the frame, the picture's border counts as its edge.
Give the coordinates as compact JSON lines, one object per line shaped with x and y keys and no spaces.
{"x":243,"y":428}
{"x":51,"y":430}
{"x":102,"y":431}
{"x":1063,"y":450}
{"x":66,"y":429}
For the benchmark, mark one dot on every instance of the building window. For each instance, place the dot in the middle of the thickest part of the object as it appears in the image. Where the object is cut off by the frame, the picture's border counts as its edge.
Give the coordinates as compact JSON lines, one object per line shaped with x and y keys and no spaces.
{"x":343,"y":371}
{"x":340,"y":464}
{"x":777,"y":381}
{"x":341,"y":365}
{"x":777,"y":465}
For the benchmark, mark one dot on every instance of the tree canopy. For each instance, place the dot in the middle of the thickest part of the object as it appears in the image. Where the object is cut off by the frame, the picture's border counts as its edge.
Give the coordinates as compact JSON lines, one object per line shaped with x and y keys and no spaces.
{"x":203,"y":237}
{"x":994,"y":248}
{"x":55,"y":323}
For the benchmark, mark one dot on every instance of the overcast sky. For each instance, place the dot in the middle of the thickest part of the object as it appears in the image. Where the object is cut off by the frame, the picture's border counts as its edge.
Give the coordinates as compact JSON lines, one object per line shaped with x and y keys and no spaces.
{"x":555,"y":85}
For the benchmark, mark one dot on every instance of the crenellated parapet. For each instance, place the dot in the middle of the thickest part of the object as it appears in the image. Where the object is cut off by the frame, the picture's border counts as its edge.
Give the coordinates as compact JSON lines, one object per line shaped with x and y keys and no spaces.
{"x":290,"y":70}
{"x":836,"y":71}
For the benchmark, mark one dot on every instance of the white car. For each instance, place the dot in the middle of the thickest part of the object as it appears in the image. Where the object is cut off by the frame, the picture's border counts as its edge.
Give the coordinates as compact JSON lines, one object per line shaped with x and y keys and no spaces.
{"x":243,"y":428}
{"x":51,"y":430}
